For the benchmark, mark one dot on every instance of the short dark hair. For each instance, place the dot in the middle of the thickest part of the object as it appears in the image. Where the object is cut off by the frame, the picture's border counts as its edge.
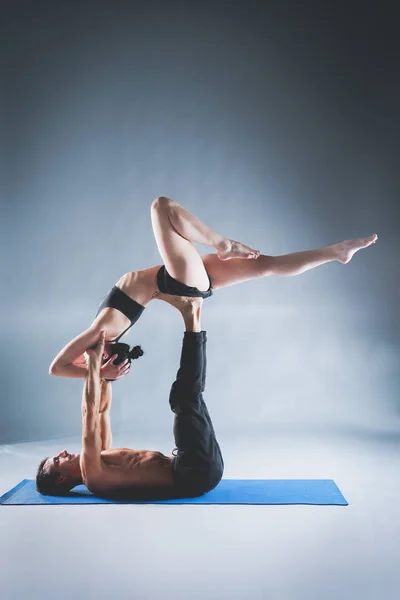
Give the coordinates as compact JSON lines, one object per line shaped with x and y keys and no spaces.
{"x":124,"y":352}
{"x":46,"y":481}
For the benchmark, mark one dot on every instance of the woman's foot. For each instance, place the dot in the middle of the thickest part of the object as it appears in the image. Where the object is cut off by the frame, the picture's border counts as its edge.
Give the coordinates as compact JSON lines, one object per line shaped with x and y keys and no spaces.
{"x":345,"y":250}
{"x":228,"y":249}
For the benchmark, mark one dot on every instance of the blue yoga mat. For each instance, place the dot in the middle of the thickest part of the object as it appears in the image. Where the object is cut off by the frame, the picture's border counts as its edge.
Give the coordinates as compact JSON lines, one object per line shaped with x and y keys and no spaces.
{"x":228,"y":491}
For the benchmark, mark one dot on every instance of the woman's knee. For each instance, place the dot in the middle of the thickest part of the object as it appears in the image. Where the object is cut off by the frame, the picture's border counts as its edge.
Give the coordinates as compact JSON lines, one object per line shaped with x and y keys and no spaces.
{"x":161,"y":203}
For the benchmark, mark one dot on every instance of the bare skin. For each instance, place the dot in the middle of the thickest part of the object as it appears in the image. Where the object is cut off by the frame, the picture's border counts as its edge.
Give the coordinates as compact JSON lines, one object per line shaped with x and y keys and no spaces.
{"x":190,"y":308}
{"x":118,"y":469}
{"x":132,"y":467}
{"x":176,"y":231}
{"x":121,"y":468}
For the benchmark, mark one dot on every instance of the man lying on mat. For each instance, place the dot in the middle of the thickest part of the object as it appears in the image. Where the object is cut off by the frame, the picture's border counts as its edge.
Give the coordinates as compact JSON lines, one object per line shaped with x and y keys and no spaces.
{"x":197,"y":466}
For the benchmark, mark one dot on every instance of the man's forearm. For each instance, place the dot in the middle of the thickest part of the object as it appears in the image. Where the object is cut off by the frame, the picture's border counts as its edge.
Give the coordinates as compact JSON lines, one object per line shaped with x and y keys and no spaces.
{"x":105,"y":418}
{"x":105,"y":430}
{"x":92,"y":390}
{"x":106,"y":396}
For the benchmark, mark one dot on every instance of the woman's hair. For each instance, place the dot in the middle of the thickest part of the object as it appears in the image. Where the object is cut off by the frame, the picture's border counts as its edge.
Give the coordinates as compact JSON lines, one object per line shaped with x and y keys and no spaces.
{"x":124,"y":352}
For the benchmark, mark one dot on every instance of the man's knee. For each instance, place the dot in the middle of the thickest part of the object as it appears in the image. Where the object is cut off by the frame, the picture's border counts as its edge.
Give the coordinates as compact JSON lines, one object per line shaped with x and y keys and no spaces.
{"x":161,"y":203}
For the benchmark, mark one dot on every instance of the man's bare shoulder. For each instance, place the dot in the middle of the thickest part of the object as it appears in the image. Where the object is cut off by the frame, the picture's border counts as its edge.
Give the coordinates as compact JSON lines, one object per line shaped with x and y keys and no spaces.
{"x":97,"y":484}
{"x":91,"y":468}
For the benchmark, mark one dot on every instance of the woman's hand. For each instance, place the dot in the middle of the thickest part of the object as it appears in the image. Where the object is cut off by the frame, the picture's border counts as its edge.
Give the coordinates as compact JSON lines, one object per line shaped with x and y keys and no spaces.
{"x":110,"y":371}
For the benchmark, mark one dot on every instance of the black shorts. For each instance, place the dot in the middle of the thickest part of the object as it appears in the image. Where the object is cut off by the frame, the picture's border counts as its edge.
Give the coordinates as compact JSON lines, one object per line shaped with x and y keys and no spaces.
{"x":169,"y":285}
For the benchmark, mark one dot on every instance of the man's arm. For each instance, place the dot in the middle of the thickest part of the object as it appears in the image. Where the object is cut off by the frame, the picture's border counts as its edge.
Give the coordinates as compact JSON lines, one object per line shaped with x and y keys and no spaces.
{"x":91,"y":438}
{"x":105,"y":415}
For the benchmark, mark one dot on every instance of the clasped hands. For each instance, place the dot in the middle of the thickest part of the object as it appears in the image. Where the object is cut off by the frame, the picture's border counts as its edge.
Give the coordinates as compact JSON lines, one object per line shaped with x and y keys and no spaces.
{"x":94,"y":359}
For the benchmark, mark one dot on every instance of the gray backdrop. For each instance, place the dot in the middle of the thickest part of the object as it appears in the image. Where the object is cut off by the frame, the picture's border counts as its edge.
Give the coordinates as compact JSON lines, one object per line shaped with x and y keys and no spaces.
{"x":276,"y":124}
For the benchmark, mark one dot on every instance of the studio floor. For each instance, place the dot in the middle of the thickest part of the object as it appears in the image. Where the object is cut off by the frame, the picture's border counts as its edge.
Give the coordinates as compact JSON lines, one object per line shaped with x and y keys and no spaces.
{"x":189,"y":552}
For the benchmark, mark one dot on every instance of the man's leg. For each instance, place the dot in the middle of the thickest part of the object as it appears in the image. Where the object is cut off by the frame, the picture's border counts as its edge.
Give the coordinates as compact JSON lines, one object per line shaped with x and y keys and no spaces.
{"x":223,"y":274}
{"x":199,"y":465}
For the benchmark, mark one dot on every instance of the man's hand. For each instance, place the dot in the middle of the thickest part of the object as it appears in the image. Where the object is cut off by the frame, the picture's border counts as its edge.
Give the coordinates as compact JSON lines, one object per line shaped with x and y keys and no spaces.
{"x":110,"y":371}
{"x":95,"y":355}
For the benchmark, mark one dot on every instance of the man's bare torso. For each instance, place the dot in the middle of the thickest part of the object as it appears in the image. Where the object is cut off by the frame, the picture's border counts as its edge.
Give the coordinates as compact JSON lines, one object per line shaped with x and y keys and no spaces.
{"x":124,"y":469}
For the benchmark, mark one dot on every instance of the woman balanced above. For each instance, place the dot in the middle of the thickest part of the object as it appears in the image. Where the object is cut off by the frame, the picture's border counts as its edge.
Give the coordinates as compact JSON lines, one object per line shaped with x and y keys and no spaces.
{"x":184,"y":273}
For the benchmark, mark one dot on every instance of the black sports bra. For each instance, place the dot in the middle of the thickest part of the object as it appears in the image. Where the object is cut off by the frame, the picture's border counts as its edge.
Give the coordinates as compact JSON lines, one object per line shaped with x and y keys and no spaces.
{"x":116,"y":298}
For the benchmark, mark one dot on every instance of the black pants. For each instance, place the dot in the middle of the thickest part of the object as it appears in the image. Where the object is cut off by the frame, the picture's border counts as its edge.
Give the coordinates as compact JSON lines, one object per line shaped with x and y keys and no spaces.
{"x":198,"y":465}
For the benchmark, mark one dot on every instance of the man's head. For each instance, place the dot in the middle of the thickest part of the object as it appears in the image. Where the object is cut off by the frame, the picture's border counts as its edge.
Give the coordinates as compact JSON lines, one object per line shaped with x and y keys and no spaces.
{"x":57,"y":475}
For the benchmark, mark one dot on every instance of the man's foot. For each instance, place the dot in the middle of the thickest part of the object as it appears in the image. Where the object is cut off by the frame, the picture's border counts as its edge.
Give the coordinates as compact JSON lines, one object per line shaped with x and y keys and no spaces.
{"x":345,"y":250}
{"x":230,"y":249}
{"x":183,"y":303}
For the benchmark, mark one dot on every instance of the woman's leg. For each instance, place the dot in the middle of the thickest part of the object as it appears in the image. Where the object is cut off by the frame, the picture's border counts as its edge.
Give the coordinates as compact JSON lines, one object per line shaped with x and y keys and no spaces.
{"x":223,"y":274}
{"x":175,"y":230}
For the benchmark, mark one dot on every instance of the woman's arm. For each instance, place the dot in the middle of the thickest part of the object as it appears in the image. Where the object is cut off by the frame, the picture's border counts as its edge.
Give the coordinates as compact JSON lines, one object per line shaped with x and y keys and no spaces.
{"x":63,"y":364}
